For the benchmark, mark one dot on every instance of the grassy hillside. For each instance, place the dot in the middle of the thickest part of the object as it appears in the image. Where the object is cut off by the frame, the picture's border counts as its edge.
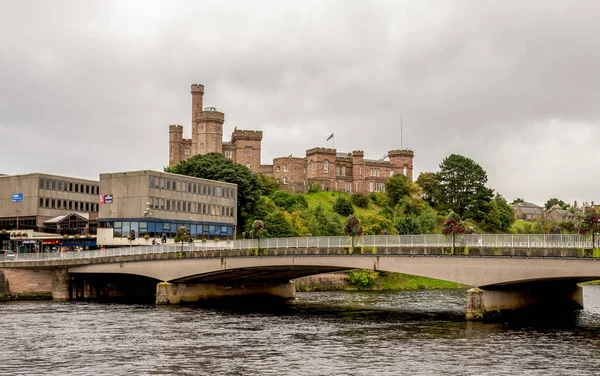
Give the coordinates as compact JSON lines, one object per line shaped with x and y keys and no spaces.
{"x":326,"y":199}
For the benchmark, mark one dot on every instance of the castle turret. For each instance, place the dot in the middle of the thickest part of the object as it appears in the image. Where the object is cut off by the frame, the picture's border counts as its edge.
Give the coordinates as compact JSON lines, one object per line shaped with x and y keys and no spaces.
{"x":247,"y":146}
{"x":402,"y":162}
{"x":175,"y":144}
{"x":197,"y":97}
{"x":208,"y":132}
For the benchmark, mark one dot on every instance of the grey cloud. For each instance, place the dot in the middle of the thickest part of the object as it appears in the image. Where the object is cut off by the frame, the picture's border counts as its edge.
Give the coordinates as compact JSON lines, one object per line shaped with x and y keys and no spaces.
{"x":513,"y":85}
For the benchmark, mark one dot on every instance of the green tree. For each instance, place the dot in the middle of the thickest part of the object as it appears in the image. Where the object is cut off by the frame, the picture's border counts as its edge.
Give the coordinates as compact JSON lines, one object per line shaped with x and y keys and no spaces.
{"x":499,"y":216}
{"x":377,"y":225}
{"x":343,"y":206}
{"x":397,"y":187}
{"x":462,"y":186}
{"x":278,"y":226}
{"x":215,"y":166}
{"x":517,"y":200}
{"x":554,"y":201}
{"x":430,"y":184}
{"x":268,"y":184}
{"x":322,"y":223}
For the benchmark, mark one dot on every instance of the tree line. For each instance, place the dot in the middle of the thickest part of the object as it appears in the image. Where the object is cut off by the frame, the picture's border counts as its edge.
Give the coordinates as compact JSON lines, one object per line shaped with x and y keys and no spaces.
{"x":457,"y":191}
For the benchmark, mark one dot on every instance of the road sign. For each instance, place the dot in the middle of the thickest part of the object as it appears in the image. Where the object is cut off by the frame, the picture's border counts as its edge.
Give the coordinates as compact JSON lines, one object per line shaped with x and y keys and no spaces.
{"x":17,"y":197}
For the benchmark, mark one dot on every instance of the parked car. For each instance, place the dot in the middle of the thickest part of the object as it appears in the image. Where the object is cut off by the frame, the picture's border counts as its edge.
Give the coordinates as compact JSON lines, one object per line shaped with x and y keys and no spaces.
{"x":7,"y":254}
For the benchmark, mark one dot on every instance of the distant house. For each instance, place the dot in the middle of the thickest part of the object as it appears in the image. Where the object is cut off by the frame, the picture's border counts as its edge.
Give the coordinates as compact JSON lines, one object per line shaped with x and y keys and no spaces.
{"x":559,"y":215}
{"x":527,"y":211}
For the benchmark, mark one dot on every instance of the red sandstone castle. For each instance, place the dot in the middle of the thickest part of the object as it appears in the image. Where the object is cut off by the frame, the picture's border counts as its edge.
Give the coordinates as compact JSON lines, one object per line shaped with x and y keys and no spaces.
{"x":329,"y":169}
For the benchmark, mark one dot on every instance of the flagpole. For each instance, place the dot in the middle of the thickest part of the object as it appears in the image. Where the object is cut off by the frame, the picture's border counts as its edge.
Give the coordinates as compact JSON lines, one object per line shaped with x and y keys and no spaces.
{"x":333,"y":140}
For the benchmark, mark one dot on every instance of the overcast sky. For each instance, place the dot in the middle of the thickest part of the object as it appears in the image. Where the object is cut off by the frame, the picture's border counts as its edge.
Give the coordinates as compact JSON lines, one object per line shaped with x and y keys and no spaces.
{"x":91,"y":86}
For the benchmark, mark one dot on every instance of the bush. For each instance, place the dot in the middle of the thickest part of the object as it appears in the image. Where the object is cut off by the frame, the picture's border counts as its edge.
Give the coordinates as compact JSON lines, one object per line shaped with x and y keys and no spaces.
{"x":343,"y":206}
{"x":314,"y":187}
{"x":361,"y":279}
{"x":361,"y":200}
{"x":285,"y":200}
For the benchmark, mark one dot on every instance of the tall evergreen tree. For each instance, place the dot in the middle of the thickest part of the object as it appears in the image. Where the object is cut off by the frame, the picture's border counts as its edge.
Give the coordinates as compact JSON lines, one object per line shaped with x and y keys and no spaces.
{"x":462,"y":186}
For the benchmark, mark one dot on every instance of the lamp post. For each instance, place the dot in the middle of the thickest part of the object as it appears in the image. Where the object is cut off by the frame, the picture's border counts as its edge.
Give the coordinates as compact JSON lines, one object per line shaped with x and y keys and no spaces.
{"x":18,"y":210}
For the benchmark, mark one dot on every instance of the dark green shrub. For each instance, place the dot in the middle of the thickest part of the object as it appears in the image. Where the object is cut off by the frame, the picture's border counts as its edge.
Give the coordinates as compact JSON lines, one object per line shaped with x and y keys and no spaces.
{"x":284,"y":200}
{"x":360,"y":199}
{"x":343,"y":206}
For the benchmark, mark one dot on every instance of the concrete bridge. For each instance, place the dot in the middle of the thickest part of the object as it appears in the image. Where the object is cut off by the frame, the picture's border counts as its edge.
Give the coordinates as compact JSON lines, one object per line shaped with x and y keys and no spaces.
{"x":507,"y":272}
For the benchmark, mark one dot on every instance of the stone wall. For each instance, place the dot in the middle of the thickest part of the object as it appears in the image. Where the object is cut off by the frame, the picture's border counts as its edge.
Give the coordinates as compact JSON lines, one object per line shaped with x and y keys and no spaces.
{"x":26,"y":283}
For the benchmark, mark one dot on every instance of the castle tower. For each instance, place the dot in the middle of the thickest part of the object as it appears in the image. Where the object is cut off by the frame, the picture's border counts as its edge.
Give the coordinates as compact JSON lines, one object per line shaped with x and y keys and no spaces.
{"x":402,"y":162}
{"x":197,"y":97}
{"x":175,"y":144}
{"x":247,"y":146}
{"x":358,"y":171}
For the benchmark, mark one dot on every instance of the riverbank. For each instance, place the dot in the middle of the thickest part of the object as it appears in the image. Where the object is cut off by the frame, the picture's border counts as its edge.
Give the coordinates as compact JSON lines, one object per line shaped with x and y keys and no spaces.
{"x":370,"y":280}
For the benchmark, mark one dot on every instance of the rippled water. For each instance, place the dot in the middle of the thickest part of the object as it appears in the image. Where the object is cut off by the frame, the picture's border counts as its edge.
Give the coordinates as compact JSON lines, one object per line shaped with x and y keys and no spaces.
{"x":328,"y":333}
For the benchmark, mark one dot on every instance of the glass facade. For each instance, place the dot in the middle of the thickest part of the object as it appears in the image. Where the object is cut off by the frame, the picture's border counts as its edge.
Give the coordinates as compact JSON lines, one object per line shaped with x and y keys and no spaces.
{"x":155,"y":229}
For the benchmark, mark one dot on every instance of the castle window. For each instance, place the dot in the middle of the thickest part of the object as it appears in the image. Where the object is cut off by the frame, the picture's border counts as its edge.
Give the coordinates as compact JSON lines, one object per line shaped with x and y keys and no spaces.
{"x":229,"y":154}
{"x":248,"y":165}
{"x":285,"y":168}
{"x":370,"y":172}
{"x":391,"y":172}
{"x":405,"y":170}
{"x":186,"y":151}
{"x":343,"y":170}
{"x":371,"y":187}
{"x":278,"y":168}
{"x":337,"y":170}
{"x":248,"y":151}
{"x":326,"y":166}
{"x":285,"y":180}
{"x":312,"y":167}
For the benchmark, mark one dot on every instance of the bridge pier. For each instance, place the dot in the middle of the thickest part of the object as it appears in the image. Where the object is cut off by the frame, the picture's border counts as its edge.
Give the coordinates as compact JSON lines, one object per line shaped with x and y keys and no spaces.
{"x":550,"y":298}
{"x":179,"y":293}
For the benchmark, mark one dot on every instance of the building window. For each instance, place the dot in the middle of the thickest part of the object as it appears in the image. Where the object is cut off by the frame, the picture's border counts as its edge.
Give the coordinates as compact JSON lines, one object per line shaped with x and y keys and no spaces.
{"x":312,"y":167}
{"x":248,"y":165}
{"x":371,"y":187}
{"x":285,"y":168}
{"x":285,"y":180}
{"x":337,"y":170}
{"x":186,"y":151}
{"x":405,"y":168}
{"x":278,"y":169}
{"x":229,"y":154}
{"x":248,"y":151}
{"x":348,"y":187}
{"x":391,"y":172}
{"x":343,"y":170}
{"x":326,"y":166}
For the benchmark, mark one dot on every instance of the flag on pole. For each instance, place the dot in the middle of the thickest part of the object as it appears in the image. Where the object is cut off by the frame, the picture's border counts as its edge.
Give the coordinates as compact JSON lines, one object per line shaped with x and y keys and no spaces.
{"x":330,"y":137}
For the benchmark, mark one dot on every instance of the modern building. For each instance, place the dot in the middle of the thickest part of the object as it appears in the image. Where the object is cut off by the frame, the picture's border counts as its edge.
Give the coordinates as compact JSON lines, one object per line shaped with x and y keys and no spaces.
{"x":48,"y":203}
{"x":152,"y":203}
{"x":326,"y":168}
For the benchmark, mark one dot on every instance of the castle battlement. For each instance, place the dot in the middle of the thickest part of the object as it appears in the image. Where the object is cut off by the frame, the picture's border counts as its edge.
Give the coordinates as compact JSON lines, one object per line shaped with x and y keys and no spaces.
{"x":211,"y":114}
{"x":327,"y":151}
{"x":246,"y":135}
{"x":405,"y":153}
{"x":198,"y":88}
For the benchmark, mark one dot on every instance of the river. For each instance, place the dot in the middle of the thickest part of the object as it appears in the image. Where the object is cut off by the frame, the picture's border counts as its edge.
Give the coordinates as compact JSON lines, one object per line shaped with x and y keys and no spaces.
{"x":321,"y":333}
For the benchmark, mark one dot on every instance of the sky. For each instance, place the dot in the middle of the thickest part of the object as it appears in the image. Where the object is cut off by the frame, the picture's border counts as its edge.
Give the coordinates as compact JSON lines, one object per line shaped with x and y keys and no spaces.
{"x":88,"y":87}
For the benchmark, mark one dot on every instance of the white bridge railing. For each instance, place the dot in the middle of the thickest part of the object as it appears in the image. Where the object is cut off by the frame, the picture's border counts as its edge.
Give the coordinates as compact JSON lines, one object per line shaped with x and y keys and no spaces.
{"x":539,"y":241}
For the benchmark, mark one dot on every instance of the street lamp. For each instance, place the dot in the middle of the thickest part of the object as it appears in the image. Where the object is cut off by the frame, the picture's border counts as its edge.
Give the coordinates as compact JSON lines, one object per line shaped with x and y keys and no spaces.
{"x":18,"y":210}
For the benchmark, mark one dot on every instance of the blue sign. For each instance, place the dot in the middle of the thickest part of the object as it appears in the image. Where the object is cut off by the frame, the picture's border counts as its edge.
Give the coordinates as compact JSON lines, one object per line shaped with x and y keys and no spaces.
{"x":17,"y":197}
